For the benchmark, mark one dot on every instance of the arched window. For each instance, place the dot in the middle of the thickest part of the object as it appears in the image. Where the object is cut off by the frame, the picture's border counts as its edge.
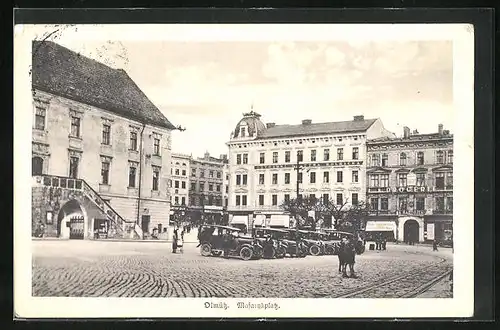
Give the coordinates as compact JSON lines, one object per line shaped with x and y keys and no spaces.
{"x":36,"y":165}
{"x":402,"y":159}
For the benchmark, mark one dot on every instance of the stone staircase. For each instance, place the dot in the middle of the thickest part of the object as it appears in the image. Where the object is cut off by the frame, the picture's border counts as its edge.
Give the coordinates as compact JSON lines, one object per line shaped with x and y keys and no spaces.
{"x":62,"y":189}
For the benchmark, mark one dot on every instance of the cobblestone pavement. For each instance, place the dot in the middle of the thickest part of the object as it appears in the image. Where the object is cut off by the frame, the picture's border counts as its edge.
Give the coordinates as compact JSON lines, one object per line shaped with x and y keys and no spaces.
{"x":139,"y":269}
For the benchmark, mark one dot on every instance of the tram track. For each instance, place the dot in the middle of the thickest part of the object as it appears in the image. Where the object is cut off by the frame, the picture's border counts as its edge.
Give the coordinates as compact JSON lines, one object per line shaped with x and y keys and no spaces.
{"x":403,"y":286}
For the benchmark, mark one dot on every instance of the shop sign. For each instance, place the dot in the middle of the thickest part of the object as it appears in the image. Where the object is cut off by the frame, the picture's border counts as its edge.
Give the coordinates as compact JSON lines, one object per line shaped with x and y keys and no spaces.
{"x":410,"y":189}
{"x":380,"y":226}
{"x":430,"y":231}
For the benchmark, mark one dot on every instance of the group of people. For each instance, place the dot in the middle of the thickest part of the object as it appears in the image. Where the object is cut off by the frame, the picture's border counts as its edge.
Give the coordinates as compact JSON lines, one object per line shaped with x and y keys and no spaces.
{"x":380,"y":243}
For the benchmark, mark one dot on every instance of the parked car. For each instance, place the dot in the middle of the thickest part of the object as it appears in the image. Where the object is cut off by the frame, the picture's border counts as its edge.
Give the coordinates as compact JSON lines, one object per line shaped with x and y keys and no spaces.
{"x":333,"y":238}
{"x":273,"y":241}
{"x":310,"y":244}
{"x":214,"y":239}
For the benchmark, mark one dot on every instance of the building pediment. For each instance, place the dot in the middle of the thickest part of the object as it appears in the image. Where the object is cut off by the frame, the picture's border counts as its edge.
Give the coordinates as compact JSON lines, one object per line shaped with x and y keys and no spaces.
{"x":241,"y":169}
{"x":420,"y":170}
{"x":443,"y":168}
{"x":402,"y":170}
{"x":378,"y":169}
{"x":241,"y":191}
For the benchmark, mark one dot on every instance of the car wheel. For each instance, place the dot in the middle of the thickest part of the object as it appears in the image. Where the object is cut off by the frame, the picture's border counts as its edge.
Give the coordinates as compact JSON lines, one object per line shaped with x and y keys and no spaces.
{"x":280,"y":252}
{"x":314,"y":250}
{"x":246,"y":253}
{"x":206,"y":250}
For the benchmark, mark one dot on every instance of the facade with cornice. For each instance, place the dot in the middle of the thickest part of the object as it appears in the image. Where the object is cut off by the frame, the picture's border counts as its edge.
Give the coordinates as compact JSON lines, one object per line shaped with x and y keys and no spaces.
{"x":263,"y":159}
{"x":92,"y":123}
{"x":179,"y":184}
{"x":410,"y":186}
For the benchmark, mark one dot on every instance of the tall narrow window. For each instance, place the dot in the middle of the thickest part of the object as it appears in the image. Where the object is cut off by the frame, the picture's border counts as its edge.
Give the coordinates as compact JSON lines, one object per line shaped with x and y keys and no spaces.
{"x":238,"y":159}
{"x":244,"y":200}
{"x":420,"y":204}
{"x":326,"y":177}
{"x":75,"y":126}
{"x":449,"y":180}
{"x":262,"y":158}
{"x":403,"y":204}
{"x":439,"y":204}
{"x":131,"y":176}
{"x":312,"y":177}
{"x":402,"y":159}
{"x":384,"y":180}
{"x":340,"y":154}
{"x":299,"y":177}
{"x":326,"y":199}
{"x":354,"y":200}
{"x":156,"y":147}
{"x":420,"y":179}
{"x":355,"y":153}
{"x":340,"y":199}
{"x":326,"y":154}
{"x":402,"y":179}
{"x":176,"y":184}
{"x":385,"y":160}
{"x":375,"y":160}
{"x":73,"y":167}
{"x":275,"y":200}
{"x":210,"y":187}
{"x":439,"y":180}
{"x":156,"y":178}
{"x":275,"y":178}
{"x":384,"y":204}
{"x":238,"y":200}
{"x":133,"y":141}
{"x":261,"y":178}
{"x":440,"y":157}
{"x":40,"y":114}
{"x":183,"y":201}
{"x":244,"y":179}
{"x":300,"y":155}
{"x":374,"y":180}
{"x":261,"y":200}
{"x":420,"y":158}
{"x":449,"y":204}
{"x":211,"y":174}
{"x":355,"y":176}
{"x":275,"y":157}
{"x":238,"y":179}
{"x":36,"y":166}
{"x":340,"y":176}
{"x":450,"y":157}
{"x":243,"y":132}
{"x":287,"y":178}
{"x":106,"y":134}
{"x":245,"y":158}
{"x":313,"y":155}
{"x":287,"y":156}
{"x":374,"y":203}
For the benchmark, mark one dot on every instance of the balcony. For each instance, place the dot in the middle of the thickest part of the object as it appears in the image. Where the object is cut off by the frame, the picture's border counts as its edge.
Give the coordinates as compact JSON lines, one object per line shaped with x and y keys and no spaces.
{"x":440,"y":211}
{"x":378,"y":189}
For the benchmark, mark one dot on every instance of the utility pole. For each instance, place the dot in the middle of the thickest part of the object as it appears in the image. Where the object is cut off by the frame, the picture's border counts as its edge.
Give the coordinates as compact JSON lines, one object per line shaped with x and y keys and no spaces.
{"x":297,"y":168}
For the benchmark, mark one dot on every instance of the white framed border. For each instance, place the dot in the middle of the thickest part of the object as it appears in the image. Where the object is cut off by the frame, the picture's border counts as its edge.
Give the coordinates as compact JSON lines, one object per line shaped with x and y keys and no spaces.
{"x":461,"y":305}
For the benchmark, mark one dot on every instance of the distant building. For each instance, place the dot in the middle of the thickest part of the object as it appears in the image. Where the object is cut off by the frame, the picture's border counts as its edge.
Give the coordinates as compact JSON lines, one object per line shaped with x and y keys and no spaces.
{"x":410,"y":185}
{"x":179,"y":184}
{"x":263,"y":158}
{"x":100,"y":149}
{"x":207,"y":188}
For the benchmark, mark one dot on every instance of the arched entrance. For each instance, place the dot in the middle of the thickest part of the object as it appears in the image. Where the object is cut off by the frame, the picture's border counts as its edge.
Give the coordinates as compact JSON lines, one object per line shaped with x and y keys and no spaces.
{"x":71,"y":221}
{"x":36,"y":165}
{"x":411,"y":231}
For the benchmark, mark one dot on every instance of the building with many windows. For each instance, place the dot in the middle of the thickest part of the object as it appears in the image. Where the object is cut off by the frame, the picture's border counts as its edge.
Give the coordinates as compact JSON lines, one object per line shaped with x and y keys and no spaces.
{"x":179,"y":184}
{"x":206,"y":188}
{"x":410,"y":185}
{"x":263,"y":158}
{"x":100,"y":149}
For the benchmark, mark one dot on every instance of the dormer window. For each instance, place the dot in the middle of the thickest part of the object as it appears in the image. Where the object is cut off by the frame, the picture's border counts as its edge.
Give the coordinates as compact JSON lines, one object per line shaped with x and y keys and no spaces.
{"x":243,"y":131}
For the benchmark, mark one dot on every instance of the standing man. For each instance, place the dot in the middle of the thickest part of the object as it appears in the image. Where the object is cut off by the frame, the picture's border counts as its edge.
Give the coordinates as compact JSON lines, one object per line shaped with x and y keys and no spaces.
{"x":434,"y":245}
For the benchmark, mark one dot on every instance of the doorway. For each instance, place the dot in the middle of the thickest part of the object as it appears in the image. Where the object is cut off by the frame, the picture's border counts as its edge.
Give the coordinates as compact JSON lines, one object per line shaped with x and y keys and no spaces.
{"x":411,"y":231}
{"x":145,"y":221}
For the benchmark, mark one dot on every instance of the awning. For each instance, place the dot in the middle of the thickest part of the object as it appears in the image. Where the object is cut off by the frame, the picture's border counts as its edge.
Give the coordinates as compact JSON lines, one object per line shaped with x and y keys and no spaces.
{"x":260,"y":220}
{"x":239,"y":219}
{"x":280,"y":220}
{"x":380,"y":226}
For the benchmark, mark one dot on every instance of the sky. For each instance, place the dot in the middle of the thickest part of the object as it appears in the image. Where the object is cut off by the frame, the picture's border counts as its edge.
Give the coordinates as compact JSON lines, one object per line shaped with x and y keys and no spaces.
{"x":207,"y":86}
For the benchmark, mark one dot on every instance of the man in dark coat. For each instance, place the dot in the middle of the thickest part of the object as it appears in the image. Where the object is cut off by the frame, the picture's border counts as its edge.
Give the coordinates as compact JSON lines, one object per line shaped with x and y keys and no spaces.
{"x":174,"y":241}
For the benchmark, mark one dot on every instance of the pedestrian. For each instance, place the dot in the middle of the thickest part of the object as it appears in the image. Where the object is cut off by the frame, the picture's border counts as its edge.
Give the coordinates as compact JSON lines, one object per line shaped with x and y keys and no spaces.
{"x":180,"y":243}
{"x":174,"y":241}
{"x":434,"y":245}
{"x":384,"y":244}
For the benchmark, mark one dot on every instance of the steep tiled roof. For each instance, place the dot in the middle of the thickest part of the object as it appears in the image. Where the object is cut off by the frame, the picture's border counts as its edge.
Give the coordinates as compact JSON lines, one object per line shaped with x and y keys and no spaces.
{"x":317,"y":129}
{"x":65,"y":73}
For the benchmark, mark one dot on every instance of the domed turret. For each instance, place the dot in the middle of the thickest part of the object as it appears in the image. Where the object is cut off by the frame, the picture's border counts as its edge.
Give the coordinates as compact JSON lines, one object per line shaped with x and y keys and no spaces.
{"x":249,"y":126}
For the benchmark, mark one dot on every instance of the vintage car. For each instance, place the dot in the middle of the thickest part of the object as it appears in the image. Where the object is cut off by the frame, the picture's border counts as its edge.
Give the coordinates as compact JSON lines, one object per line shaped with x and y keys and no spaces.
{"x":273,"y":242}
{"x":334,"y":237}
{"x":214,"y":239}
{"x":311,"y":244}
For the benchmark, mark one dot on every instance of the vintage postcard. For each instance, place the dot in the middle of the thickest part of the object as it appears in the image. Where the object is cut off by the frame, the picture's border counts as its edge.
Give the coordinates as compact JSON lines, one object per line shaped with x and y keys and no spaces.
{"x":263,"y":171}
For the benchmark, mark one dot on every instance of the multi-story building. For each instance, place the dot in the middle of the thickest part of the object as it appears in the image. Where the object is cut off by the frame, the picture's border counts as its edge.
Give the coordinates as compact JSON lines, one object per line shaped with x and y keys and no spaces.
{"x":101,"y":149}
{"x":410,"y":185}
{"x":263,"y":159}
{"x":179,"y":184}
{"x":206,"y":188}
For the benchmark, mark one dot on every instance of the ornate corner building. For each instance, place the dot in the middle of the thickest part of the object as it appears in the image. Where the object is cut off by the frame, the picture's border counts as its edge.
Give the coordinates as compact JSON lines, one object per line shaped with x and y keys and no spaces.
{"x":410,"y":186}
{"x":100,"y":149}
{"x":263,"y":160}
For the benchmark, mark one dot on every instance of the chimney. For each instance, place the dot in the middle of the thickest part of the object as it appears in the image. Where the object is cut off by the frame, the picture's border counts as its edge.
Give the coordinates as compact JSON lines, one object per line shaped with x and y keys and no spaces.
{"x":269,"y":125}
{"x":306,"y":122}
{"x":359,"y":118}
{"x":440,"y":129}
{"x":406,"y":132}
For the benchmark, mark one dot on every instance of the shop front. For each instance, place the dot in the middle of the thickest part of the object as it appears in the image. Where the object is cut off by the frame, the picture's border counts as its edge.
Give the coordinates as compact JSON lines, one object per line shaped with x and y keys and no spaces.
{"x":241,"y":221}
{"x":381,"y":229}
{"x":438,"y":227}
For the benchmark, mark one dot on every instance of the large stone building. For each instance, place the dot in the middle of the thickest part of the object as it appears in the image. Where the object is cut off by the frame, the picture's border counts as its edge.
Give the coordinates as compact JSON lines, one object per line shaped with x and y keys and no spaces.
{"x":179,"y":185}
{"x":263,"y":158}
{"x":206,"y":188}
{"x":101,"y":149}
{"x":410,"y":185}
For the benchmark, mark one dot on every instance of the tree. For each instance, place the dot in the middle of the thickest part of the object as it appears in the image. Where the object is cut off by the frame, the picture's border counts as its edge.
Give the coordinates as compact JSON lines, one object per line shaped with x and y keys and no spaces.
{"x":299,"y":208}
{"x":350,"y":218}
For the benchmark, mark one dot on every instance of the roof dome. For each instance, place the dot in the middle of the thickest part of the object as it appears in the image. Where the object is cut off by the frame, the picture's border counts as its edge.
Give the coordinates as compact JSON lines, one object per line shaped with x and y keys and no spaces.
{"x":252,"y":121}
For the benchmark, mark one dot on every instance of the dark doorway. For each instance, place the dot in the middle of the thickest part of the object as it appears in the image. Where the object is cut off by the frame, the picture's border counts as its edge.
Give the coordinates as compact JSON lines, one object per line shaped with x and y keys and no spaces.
{"x":411,"y":231}
{"x":71,"y":228}
{"x":146,"y":219}
{"x":36,"y":166}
